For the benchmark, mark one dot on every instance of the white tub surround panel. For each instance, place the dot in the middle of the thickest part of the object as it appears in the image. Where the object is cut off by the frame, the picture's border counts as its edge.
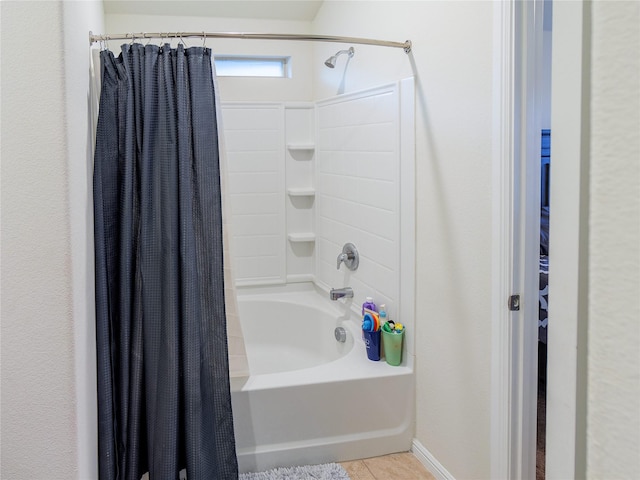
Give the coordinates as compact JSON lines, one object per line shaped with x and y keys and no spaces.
{"x":300,"y":184}
{"x":306,"y":178}
{"x":254,"y":135}
{"x":358,"y":193}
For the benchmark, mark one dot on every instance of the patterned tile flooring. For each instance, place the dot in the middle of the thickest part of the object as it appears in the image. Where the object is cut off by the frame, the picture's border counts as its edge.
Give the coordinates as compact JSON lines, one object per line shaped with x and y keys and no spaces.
{"x":397,"y":466}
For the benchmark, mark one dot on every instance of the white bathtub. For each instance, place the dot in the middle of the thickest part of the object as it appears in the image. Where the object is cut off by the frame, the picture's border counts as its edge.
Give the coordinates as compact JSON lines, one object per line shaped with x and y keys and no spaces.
{"x":311,"y":399}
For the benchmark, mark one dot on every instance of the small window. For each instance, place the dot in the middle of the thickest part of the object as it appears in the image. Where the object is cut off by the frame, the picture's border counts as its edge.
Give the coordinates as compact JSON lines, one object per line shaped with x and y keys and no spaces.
{"x":245,"y":66}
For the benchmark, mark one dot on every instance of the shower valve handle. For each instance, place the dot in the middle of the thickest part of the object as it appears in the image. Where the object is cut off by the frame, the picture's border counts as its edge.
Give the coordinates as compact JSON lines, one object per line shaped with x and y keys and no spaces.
{"x":349,"y":257}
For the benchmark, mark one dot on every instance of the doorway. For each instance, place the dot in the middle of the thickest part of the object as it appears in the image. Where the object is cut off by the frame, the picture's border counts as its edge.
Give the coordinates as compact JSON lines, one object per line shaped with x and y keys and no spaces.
{"x":543,"y":105}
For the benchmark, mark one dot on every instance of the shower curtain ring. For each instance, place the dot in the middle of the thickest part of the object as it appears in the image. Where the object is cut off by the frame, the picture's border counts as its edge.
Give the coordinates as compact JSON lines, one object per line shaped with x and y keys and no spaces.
{"x":133,"y":38}
{"x":204,"y":39}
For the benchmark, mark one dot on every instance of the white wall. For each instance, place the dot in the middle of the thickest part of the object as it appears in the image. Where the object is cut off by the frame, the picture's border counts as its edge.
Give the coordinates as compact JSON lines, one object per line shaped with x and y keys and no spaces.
{"x":296,"y":88}
{"x":451,"y":58}
{"x":48,"y":421}
{"x":79,"y":18}
{"x":613,"y":418}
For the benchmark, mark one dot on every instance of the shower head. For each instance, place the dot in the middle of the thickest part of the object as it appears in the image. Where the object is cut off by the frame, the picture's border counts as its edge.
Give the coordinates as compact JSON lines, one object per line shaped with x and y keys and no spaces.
{"x":331,"y":61}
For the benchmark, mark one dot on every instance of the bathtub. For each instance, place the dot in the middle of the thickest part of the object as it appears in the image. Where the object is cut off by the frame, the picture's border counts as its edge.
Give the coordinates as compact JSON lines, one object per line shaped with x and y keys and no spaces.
{"x":311,"y":399}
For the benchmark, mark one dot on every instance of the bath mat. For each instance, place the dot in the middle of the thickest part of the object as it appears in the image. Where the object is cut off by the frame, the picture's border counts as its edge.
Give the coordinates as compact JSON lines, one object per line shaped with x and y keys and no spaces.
{"x":327,"y":471}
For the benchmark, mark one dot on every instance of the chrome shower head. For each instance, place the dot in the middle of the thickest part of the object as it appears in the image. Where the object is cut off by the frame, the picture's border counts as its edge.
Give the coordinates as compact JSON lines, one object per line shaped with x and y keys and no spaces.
{"x":331,"y":61}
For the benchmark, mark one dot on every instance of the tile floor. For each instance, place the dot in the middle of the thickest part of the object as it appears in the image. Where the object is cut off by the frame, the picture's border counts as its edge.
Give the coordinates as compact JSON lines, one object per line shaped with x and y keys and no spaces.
{"x":397,"y":466}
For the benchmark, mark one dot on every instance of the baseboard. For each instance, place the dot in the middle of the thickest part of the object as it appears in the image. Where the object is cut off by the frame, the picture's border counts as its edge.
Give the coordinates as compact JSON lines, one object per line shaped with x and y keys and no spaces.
{"x":429,"y":461}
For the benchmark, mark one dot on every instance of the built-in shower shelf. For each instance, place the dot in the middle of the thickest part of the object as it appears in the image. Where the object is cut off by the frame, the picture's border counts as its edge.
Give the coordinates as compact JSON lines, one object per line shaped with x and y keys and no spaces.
{"x":301,"y":146}
{"x":301,"y":237}
{"x":301,"y":192}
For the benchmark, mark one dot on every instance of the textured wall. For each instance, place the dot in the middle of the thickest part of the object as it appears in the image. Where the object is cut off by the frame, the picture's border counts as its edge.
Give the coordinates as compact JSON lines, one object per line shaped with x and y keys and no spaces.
{"x":79,"y":18}
{"x":48,"y":365}
{"x":38,"y":402}
{"x":613,"y":421}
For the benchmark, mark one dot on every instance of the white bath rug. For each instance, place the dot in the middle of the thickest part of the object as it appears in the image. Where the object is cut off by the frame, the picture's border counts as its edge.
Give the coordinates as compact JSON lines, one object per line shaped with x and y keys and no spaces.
{"x":327,"y":471}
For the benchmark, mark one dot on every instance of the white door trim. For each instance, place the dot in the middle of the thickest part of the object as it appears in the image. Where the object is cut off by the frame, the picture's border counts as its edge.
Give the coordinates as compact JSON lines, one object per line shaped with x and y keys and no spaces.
{"x":502,"y":278}
{"x":516,"y":228}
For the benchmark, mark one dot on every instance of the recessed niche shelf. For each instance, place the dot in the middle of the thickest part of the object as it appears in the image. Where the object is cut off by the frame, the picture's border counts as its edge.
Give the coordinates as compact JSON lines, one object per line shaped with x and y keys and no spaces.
{"x":301,"y":192}
{"x":301,"y":237}
{"x":301,"y":146}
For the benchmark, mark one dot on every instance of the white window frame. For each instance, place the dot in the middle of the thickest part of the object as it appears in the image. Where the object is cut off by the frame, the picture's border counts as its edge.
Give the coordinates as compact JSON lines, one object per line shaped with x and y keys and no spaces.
{"x":253,"y":66}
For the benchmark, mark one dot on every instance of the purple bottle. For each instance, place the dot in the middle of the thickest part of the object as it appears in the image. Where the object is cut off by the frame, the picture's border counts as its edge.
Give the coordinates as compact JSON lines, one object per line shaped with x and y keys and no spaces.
{"x":368,"y":303}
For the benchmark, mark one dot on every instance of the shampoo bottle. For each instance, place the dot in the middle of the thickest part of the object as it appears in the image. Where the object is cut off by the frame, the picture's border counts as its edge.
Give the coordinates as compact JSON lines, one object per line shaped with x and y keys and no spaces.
{"x":368,"y":303}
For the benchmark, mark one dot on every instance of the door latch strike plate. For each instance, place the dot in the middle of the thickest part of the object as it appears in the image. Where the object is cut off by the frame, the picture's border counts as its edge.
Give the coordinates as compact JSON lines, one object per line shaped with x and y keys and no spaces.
{"x":514,"y":303}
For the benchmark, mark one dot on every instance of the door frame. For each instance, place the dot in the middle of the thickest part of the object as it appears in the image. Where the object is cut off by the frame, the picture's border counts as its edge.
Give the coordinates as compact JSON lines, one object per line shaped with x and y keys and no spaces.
{"x":511,"y":428}
{"x":514,"y":334}
{"x":518,"y":33}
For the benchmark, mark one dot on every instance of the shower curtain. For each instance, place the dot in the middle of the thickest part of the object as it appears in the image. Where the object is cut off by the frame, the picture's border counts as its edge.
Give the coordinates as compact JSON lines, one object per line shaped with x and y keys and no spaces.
{"x":163,"y":381}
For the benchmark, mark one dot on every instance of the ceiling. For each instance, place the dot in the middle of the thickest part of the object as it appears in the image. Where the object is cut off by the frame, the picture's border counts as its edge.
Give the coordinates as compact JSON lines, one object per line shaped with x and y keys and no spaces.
{"x":261,"y":9}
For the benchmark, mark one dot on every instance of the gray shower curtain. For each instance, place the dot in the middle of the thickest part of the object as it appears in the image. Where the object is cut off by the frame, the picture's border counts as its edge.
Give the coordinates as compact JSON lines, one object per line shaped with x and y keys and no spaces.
{"x":163,"y":381}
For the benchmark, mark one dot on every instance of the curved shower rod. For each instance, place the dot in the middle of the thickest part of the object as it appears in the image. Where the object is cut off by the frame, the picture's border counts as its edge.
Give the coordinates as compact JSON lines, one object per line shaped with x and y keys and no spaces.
{"x":406,"y":45}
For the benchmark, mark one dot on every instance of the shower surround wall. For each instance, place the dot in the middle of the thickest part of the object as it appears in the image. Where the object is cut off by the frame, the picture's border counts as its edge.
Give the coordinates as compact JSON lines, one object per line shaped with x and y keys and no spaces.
{"x":358,"y":177}
{"x":254,"y":137}
{"x":307,"y":178}
{"x":270,"y":156}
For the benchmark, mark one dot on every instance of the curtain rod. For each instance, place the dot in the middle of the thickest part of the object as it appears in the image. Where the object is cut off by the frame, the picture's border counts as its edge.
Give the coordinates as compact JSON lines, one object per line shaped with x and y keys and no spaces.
{"x":250,"y":36}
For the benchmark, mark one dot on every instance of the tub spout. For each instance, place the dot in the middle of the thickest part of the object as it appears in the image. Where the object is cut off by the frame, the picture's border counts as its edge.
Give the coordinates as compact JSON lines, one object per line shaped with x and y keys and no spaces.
{"x":336,"y":293}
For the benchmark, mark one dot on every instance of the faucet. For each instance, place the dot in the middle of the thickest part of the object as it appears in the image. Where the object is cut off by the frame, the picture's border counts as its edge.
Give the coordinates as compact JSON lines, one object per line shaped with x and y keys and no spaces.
{"x":336,"y":293}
